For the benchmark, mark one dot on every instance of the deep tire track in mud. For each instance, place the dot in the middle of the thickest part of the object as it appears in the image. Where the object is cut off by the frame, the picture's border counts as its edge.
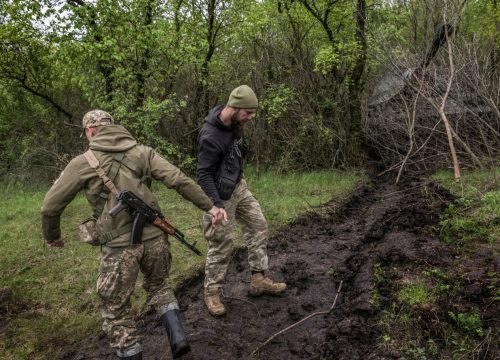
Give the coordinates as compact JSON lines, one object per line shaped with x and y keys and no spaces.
{"x":380,"y":224}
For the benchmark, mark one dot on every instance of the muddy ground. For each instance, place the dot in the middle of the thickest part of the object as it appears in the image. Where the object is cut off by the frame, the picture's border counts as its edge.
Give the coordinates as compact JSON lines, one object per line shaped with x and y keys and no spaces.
{"x":381,"y":228}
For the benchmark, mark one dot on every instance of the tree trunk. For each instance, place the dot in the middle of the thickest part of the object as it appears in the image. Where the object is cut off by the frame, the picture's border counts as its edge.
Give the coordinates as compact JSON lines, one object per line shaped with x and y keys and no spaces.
{"x":141,"y":72}
{"x":356,"y":89}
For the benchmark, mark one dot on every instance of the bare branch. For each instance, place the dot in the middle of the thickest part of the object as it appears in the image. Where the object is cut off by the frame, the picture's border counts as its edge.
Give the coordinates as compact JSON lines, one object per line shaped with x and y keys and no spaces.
{"x":301,"y":321}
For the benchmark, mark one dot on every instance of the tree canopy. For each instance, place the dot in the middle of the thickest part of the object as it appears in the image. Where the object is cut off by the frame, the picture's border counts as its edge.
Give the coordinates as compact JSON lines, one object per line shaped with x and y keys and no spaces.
{"x":159,"y":65}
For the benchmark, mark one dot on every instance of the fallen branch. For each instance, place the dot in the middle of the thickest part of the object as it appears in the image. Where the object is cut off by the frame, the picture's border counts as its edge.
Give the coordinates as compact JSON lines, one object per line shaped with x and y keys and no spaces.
{"x":300,"y":321}
{"x":243,"y":300}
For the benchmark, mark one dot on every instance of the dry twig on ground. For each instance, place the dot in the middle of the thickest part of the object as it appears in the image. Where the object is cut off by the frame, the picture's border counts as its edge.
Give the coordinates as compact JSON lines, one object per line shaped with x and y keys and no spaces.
{"x":300,"y":321}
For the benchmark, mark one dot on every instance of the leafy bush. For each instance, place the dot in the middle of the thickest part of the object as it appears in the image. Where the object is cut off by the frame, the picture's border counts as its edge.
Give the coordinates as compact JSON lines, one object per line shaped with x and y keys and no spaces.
{"x":277,"y":101}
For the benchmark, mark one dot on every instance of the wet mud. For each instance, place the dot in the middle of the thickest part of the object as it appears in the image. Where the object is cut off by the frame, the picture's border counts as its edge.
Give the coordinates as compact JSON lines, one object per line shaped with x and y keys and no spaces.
{"x":379,"y":226}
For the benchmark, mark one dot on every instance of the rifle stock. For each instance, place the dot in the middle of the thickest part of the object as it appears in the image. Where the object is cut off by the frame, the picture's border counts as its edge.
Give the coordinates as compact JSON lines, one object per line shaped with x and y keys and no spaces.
{"x":167,"y":227}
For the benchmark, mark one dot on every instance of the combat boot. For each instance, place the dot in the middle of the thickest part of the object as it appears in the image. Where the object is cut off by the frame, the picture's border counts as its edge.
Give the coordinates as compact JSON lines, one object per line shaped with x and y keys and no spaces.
{"x":132,"y":357}
{"x":212,"y":301}
{"x":171,"y":320}
{"x":261,"y":284}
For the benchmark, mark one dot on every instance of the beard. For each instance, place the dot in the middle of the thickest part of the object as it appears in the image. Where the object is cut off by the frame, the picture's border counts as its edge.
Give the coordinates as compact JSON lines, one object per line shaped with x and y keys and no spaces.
{"x":237,"y":126}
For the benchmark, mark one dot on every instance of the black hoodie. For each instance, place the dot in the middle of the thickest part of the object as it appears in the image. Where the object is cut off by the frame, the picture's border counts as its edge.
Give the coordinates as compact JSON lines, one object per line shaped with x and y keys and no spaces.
{"x":220,"y":165}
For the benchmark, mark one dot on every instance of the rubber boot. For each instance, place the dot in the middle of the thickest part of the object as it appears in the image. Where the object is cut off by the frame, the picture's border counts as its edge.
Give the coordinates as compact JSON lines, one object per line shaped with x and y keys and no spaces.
{"x":132,"y":357}
{"x":178,"y":341}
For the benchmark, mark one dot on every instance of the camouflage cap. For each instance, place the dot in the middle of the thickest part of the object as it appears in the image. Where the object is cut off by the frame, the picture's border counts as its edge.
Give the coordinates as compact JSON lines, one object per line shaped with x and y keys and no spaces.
{"x":95,"y":118}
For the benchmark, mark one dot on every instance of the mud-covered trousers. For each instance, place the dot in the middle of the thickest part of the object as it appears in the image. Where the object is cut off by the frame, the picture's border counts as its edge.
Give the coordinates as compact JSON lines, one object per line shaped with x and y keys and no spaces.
{"x":118,"y":271}
{"x":243,"y":208}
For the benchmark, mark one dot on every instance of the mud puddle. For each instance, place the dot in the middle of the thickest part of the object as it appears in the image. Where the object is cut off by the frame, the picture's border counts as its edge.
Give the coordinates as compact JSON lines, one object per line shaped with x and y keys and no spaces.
{"x":379,"y":225}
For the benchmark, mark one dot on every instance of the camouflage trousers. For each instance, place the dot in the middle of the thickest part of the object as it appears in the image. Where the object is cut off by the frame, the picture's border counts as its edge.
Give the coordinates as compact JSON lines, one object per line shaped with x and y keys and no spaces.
{"x":243,"y":208}
{"x":118,"y":271}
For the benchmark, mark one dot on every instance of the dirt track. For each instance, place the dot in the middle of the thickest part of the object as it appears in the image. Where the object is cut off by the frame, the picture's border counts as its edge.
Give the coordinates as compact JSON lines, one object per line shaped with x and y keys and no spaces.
{"x":381,"y":225}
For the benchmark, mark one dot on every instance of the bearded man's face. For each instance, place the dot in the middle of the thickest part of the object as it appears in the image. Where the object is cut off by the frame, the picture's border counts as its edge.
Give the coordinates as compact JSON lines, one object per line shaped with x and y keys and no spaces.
{"x":240,"y":118}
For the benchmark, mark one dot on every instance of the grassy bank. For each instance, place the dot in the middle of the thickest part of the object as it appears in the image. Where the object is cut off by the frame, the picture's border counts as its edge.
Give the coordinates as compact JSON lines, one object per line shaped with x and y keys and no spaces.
{"x":475,"y":215}
{"x":47,"y":296}
{"x":448,"y":311}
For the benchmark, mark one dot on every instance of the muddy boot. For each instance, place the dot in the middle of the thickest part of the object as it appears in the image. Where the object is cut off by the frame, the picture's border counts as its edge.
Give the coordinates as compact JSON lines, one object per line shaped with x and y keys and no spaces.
{"x":261,"y":284}
{"x":133,"y":352}
{"x":132,"y":357}
{"x":171,"y":320}
{"x":212,"y":301}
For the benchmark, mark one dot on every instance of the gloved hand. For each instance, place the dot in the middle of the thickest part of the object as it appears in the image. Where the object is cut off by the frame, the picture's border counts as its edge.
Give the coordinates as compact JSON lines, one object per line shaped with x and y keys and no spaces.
{"x":55,"y":243}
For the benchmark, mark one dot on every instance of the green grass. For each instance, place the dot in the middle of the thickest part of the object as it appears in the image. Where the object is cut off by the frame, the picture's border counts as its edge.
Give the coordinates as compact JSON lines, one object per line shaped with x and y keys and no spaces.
{"x":475,"y":216}
{"x":416,"y":294}
{"x":53,"y":301}
{"x":283,"y":197}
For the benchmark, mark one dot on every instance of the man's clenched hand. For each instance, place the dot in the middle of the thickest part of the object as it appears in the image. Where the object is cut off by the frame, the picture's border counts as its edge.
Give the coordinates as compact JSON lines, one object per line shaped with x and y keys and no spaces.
{"x":218,"y":214}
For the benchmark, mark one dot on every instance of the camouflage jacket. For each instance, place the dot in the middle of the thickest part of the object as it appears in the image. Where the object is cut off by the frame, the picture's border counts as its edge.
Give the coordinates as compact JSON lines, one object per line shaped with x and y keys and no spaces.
{"x":139,"y":166}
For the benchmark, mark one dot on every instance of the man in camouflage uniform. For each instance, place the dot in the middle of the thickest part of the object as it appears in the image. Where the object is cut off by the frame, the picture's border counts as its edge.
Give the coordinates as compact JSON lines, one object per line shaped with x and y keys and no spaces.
{"x":129,"y":166}
{"x":220,"y":175}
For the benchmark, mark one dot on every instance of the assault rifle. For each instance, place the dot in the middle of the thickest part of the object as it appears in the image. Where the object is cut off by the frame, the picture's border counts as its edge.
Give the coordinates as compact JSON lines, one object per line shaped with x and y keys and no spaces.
{"x":142,"y":213}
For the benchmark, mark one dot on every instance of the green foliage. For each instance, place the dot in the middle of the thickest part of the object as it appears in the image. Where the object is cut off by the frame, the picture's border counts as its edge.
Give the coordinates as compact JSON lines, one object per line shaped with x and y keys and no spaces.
{"x":468,"y":322}
{"x":436,"y":273}
{"x":459,"y":229}
{"x":277,"y":101}
{"x":313,"y":145}
{"x":481,"y":20}
{"x":159,"y":66}
{"x":442,"y":284}
{"x":331,"y":57}
{"x":475,"y":215}
{"x":378,"y":273}
{"x":374,"y":299}
{"x":417,"y":353}
{"x":149,"y":125}
{"x":32,"y":134}
{"x":326,"y":59}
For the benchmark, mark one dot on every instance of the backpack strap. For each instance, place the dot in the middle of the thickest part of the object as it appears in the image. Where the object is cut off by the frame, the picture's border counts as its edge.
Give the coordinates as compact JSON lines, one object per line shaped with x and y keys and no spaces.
{"x":106,"y":179}
{"x":139,"y":171}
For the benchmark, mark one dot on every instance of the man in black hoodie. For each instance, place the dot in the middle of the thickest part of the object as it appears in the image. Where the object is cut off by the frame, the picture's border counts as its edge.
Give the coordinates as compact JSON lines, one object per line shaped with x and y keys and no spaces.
{"x":220,"y":175}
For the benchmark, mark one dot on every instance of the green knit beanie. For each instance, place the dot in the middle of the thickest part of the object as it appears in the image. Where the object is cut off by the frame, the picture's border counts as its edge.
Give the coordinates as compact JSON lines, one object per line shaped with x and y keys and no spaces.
{"x":243,"y":98}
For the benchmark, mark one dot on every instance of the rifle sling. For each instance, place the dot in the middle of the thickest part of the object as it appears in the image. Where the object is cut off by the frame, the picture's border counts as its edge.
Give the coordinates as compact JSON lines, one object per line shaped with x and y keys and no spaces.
{"x":106,"y":179}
